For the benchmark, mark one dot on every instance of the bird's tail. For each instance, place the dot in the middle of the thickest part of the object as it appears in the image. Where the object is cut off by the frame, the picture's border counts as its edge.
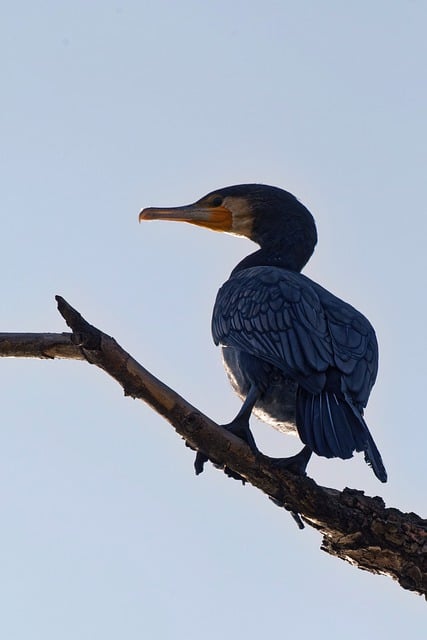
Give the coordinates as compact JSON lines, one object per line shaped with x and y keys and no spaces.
{"x":332,"y":427}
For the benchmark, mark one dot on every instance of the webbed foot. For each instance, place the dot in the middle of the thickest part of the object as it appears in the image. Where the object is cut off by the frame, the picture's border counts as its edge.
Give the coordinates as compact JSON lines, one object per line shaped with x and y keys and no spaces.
{"x":240,"y":428}
{"x":295,"y":464}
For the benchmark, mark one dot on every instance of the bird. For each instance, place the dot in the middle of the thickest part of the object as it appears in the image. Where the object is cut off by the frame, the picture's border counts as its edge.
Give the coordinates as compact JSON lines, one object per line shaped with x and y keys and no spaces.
{"x":300,"y":358}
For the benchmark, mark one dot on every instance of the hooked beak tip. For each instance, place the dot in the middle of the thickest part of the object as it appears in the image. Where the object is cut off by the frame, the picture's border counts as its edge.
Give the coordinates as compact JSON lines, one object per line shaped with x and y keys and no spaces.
{"x":144,"y":215}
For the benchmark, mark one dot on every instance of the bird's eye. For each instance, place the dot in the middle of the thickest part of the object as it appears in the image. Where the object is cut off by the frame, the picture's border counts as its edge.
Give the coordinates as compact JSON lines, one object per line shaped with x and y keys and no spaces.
{"x":217,"y":201}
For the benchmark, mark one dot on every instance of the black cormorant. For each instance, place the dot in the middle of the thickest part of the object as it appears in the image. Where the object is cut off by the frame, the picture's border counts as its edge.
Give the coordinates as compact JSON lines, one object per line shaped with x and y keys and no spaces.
{"x":299,"y":357}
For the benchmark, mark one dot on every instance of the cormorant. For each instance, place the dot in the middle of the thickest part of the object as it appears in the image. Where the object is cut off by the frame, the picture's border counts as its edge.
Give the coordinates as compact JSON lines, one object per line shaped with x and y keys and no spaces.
{"x":300,"y":358}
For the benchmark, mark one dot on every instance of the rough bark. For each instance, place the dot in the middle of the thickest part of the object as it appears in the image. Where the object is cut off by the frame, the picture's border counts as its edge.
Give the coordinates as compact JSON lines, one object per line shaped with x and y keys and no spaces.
{"x":355,"y":527}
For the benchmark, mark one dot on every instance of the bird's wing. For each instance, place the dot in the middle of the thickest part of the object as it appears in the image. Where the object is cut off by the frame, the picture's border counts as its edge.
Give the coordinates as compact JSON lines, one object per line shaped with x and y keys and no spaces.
{"x":299,"y":327}
{"x":274,"y":315}
{"x":354,"y":345}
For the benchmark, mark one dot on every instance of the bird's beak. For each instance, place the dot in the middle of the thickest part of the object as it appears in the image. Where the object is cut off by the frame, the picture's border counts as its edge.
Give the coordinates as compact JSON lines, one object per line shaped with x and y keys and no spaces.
{"x":215,"y":218}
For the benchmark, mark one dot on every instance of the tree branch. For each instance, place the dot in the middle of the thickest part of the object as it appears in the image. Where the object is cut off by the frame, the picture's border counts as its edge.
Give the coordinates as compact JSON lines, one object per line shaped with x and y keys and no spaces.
{"x":355,"y":527}
{"x":39,"y":345}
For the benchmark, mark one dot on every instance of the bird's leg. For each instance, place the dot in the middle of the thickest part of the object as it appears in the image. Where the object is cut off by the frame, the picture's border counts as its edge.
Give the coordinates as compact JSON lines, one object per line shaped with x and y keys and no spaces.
{"x":239,"y":427}
{"x":296,"y":464}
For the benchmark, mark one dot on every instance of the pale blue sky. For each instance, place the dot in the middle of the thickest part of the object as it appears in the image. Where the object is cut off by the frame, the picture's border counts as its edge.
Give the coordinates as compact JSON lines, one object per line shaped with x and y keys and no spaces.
{"x":107,"y":107}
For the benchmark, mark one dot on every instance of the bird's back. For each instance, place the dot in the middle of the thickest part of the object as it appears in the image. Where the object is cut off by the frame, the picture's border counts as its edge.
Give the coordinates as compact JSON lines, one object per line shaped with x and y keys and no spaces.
{"x":286,"y":319}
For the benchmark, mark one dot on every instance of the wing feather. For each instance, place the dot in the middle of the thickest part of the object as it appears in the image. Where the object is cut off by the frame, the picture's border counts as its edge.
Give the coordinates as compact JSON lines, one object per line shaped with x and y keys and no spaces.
{"x":288,"y":320}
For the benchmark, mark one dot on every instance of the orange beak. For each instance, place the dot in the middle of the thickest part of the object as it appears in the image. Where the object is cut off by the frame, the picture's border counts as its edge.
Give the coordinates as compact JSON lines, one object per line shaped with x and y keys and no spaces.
{"x":215,"y":218}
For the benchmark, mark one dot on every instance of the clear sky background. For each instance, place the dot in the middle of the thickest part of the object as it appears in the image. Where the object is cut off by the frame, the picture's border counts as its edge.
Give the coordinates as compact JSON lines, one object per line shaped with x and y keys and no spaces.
{"x":107,"y":107}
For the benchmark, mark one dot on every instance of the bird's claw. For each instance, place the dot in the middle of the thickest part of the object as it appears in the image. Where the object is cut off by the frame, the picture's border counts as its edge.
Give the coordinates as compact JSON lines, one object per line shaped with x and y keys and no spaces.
{"x":199,"y":462}
{"x":201,"y":459}
{"x":240,"y":428}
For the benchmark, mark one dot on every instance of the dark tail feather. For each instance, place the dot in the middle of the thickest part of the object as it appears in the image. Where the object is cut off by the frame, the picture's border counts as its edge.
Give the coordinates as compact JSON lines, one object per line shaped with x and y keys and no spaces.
{"x":372,"y":455}
{"x":374,"y":460}
{"x":334,"y":428}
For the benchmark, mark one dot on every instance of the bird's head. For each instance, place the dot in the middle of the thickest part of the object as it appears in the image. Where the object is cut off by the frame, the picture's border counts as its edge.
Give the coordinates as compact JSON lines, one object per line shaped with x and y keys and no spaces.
{"x":271,"y":217}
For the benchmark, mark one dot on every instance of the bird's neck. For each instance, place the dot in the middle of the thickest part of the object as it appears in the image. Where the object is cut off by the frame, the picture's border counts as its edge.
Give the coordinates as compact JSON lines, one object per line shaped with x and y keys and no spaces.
{"x":272,"y":258}
{"x":286,"y":242}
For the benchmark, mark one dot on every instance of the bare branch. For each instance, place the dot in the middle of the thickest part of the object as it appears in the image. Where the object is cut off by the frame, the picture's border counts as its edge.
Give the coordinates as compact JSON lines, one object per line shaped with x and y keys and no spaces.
{"x":39,"y":345}
{"x":355,"y":527}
